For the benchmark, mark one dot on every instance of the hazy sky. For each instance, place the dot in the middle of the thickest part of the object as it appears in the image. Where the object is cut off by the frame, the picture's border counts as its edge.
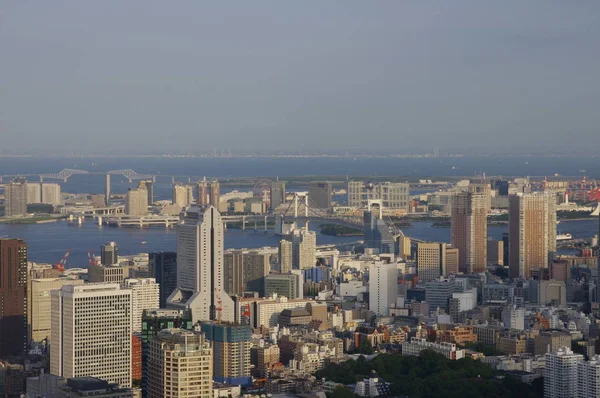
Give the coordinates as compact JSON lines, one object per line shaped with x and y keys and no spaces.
{"x":397,"y":75}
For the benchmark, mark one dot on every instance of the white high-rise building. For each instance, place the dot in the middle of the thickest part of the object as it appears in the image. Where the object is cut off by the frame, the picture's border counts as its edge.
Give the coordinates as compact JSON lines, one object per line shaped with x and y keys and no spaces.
{"x":34,"y":193}
{"x":181,"y":196}
{"x":383,"y":286}
{"x":145,"y":295}
{"x":137,"y":202}
{"x":514,"y":318}
{"x":200,"y":268}
{"x":91,"y":332}
{"x":304,"y":247}
{"x":51,"y":194}
{"x":588,"y":378}
{"x":560,"y":373}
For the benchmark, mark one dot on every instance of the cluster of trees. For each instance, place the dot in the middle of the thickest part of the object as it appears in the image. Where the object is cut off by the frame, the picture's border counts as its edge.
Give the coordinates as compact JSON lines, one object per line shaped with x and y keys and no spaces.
{"x":430,"y":375}
{"x":339,"y":230}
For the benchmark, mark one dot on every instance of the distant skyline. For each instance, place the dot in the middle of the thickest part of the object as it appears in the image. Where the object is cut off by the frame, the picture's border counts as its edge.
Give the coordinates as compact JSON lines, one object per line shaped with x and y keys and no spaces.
{"x":319,"y":77}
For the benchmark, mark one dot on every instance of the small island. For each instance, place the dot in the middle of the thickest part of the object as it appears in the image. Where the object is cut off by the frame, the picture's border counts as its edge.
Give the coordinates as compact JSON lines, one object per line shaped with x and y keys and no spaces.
{"x":339,"y":230}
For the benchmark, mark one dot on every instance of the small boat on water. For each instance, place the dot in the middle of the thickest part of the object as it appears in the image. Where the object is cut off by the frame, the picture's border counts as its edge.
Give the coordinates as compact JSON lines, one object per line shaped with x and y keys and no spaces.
{"x":143,"y":242}
{"x":562,"y":237}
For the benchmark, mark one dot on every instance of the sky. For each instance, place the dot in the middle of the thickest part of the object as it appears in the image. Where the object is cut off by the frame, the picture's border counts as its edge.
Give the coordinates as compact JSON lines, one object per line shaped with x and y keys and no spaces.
{"x":400,"y":75}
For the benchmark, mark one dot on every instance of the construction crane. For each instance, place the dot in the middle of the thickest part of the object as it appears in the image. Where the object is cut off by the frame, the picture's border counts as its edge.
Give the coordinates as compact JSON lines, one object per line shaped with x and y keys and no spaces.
{"x":61,"y":265}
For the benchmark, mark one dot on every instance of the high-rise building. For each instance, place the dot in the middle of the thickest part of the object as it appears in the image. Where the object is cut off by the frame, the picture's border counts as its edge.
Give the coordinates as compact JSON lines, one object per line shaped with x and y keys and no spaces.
{"x":245,"y":270}
{"x":532,"y":232}
{"x":40,"y":305}
{"x":109,"y":254}
{"x":288,"y":285}
{"x":200,"y":271}
{"x":285,"y":253}
{"x":277,"y":193}
{"x":469,"y":230}
{"x":394,"y":195}
{"x":150,"y":190}
{"x":513,"y":318}
{"x":202,"y":192}
{"x":180,"y":365}
{"x":438,"y":294}
{"x":163,"y":267}
{"x":180,"y":195}
{"x":377,"y":233}
{"x":231,"y":352}
{"x":452,"y":261}
{"x":13,"y":297}
{"x":50,"y":194}
{"x":153,"y":321}
{"x":15,"y":198}
{"x":588,"y":378}
{"x":144,"y":296}
{"x":91,"y":332}
{"x":304,"y":247}
{"x":319,"y":195}
{"x":137,"y":202}
{"x":214,"y":193}
{"x":495,"y":252}
{"x":431,"y":261}
{"x":560,"y":373}
{"x":404,"y":247}
{"x":34,"y":192}
{"x":383,"y":286}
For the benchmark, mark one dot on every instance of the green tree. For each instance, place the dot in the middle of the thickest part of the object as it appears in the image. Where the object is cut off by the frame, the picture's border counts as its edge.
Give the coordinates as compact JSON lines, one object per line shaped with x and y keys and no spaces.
{"x":341,"y":392}
{"x":365,"y":347}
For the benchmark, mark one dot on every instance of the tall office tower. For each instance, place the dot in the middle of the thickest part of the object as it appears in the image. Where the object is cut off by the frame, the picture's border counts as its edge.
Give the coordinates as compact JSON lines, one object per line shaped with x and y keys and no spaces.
{"x":304,"y":247}
{"x":150,"y":189}
{"x":200,"y":266}
{"x":15,"y":198}
{"x":51,"y":194}
{"x":13,"y":297}
{"x":394,"y":195}
{"x":154,"y":321}
{"x":469,"y":230}
{"x":438,"y":294}
{"x":404,"y":247}
{"x":532,"y":232}
{"x":214,"y":193}
{"x":383,"y":287}
{"x":483,"y":188}
{"x":285,"y":253}
{"x":277,"y":193}
{"x":231,"y":352}
{"x":245,"y":270}
{"x":109,"y":254}
{"x":91,"y":332}
{"x":180,"y":365}
{"x":34,"y":192}
{"x":163,"y":267}
{"x":377,"y":234}
{"x":107,"y":190}
{"x":495,"y":252}
{"x":202,"y":190}
{"x":452,"y":261}
{"x":144,"y":296}
{"x":40,"y":305}
{"x":137,"y":202}
{"x":319,"y":195}
{"x":287,"y":285}
{"x":180,"y":195}
{"x":431,"y":261}
{"x":560,"y":373}
{"x":588,"y":378}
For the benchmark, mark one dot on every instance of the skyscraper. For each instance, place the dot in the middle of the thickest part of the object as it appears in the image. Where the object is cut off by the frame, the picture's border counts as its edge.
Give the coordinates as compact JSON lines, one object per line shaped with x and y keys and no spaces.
{"x":277,"y":193}
{"x":50,"y":194}
{"x":203,"y":199}
{"x":34,"y":193}
{"x":109,"y":254}
{"x":91,"y":332}
{"x":180,"y":365}
{"x":245,"y":270}
{"x":319,"y":195}
{"x":231,"y":352}
{"x":532,"y":232}
{"x":469,"y":230}
{"x":200,"y":266}
{"x":285,"y":256}
{"x":163,"y":268}
{"x":180,"y":195}
{"x":15,"y":198}
{"x":144,"y":296}
{"x":393,"y":195}
{"x":214,"y":193}
{"x":383,"y":287}
{"x":13,"y":297}
{"x":304,"y":246}
{"x":377,"y":234}
{"x":137,"y":202}
{"x":431,"y":261}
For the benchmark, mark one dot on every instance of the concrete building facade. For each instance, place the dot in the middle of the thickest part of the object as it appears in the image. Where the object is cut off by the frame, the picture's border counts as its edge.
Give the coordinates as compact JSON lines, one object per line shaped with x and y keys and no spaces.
{"x":468,"y":231}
